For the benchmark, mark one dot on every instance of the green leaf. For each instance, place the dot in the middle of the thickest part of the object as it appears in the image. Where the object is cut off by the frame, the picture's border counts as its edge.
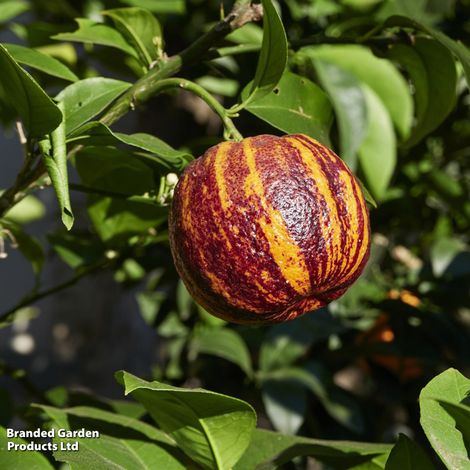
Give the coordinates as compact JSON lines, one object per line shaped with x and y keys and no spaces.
{"x":213,"y":429}
{"x":286,"y":342}
{"x":349,"y":103}
{"x":340,"y":405}
{"x":167,"y":156}
{"x":296,"y":105}
{"x":26,"y":211}
{"x":460,"y":412}
{"x":141,"y":29}
{"x":420,"y":10}
{"x":10,"y":9}
{"x":377,"y":154}
{"x":270,"y":450}
{"x":439,"y":426}
{"x":76,"y":250}
{"x":408,"y":455}
{"x":96,"y":133}
{"x":218,"y":85}
{"x":54,"y":153}
{"x":432,"y":70}
{"x":21,"y":94}
{"x":457,"y":48}
{"x":367,"y":195}
{"x":273,"y":55}
{"x":159,"y":6}
{"x":224,"y":343}
{"x":105,"y":422}
{"x":285,"y":404}
{"x":249,"y":33}
{"x":85,"y":99}
{"x":110,"y":453}
{"x":40,"y":61}
{"x":117,"y":172}
{"x":20,"y":460}
{"x":379,"y":74}
{"x":97,"y":33}
{"x":443,"y":252}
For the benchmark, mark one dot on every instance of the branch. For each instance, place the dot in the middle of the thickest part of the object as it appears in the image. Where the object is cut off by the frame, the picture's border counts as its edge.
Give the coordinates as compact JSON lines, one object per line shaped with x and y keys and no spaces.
{"x":231,"y":132}
{"x":144,"y":89}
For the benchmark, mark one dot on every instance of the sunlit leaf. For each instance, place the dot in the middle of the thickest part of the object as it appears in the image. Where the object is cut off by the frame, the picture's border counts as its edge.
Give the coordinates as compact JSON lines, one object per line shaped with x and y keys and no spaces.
{"x":141,"y":29}
{"x":296,"y":105}
{"x":213,"y":429}
{"x":85,"y":99}
{"x":21,"y":94}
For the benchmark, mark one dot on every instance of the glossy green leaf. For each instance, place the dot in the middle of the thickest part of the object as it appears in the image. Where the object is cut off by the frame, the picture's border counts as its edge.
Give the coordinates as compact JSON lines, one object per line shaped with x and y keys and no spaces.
{"x":141,"y":29}
{"x":296,"y":105}
{"x":116,"y":220}
{"x":460,"y":412}
{"x":166,"y":155}
{"x":12,"y":8}
{"x":96,"y":133}
{"x":432,"y":70}
{"x":85,"y":99}
{"x":105,"y":422}
{"x":20,"y":460}
{"x":27,"y":210}
{"x":117,"y":173}
{"x":457,"y":48}
{"x":159,"y":6}
{"x":224,"y":343}
{"x":97,"y":33}
{"x":408,"y":455}
{"x":379,"y":74}
{"x":285,"y":404}
{"x":213,"y":429}
{"x":21,"y":94}
{"x":438,"y":425}
{"x":269,"y":450}
{"x":110,"y":453}
{"x":349,"y":103}
{"x":39,"y":61}
{"x":113,"y":170}
{"x":377,"y":154}
{"x":273,"y":55}
{"x":54,"y":154}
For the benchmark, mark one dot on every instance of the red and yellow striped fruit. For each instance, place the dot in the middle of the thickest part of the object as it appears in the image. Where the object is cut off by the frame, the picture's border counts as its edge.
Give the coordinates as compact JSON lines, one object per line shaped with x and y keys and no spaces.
{"x":267,"y":229}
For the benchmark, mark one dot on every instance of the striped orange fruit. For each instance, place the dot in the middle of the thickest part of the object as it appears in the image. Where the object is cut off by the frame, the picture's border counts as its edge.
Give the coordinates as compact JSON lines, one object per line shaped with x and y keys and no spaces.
{"x":267,"y":229}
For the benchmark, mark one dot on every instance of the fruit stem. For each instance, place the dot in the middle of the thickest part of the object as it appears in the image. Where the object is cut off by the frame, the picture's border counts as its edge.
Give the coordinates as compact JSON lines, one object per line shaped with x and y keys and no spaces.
{"x":231,"y":132}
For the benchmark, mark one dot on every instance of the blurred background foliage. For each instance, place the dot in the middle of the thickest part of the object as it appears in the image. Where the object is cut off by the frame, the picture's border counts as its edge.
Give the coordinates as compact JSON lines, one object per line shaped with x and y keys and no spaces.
{"x":393,"y":103}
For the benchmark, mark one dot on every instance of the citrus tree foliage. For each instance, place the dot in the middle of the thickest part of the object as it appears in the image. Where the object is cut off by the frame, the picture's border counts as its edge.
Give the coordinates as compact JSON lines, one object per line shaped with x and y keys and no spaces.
{"x":385,"y":83}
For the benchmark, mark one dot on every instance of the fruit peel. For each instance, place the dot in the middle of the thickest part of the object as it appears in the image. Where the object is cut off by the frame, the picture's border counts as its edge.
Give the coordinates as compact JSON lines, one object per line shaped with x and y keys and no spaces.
{"x":267,"y":229}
